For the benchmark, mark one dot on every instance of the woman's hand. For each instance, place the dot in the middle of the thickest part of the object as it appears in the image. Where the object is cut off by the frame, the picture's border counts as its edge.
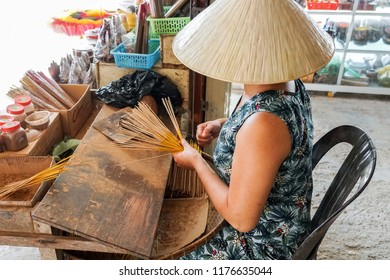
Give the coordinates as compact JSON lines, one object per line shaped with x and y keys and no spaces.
{"x":208,"y":131}
{"x":187,"y":158}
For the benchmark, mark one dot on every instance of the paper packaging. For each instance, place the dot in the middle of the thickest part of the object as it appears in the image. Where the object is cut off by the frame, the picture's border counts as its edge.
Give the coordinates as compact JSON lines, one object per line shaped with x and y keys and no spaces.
{"x":73,"y":120}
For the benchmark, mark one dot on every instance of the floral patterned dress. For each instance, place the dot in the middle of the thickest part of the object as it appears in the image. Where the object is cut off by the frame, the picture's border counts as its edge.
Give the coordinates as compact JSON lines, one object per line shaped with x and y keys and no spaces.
{"x":285,"y":220}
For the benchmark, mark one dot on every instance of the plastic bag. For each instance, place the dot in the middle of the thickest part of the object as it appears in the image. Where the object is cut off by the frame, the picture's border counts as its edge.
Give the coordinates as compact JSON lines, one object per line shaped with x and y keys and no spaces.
{"x":104,"y":43}
{"x":65,"y":65}
{"x":128,"y":41}
{"x":128,"y":90}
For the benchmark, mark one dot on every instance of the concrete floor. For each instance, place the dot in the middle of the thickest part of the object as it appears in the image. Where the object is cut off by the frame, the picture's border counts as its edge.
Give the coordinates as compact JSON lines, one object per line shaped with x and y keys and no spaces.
{"x":362,"y":231}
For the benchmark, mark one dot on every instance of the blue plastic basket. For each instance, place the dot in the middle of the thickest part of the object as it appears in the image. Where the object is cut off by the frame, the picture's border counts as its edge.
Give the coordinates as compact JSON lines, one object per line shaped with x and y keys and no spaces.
{"x":136,"y":60}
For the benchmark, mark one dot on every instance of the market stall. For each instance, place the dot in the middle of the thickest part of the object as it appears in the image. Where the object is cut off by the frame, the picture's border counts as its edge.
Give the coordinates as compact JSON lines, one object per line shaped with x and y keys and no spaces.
{"x":112,"y":202}
{"x":108,"y":197}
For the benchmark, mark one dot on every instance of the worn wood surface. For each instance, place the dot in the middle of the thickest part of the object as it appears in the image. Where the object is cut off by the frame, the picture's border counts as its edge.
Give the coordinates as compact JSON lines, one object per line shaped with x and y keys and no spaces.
{"x":14,"y":169}
{"x":49,"y":241}
{"x":168,"y":58}
{"x":42,"y":145}
{"x":108,"y":194}
{"x":16,"y":219}
{"x":182,"y":221}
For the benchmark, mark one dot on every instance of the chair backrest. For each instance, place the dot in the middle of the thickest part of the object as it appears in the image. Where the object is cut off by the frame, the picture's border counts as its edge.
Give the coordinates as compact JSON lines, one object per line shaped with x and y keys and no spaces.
{"x":355,"y":173}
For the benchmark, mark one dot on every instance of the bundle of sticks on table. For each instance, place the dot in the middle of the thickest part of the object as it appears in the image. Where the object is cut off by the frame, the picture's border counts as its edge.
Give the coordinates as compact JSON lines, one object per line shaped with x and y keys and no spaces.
{"x":44,"y":91}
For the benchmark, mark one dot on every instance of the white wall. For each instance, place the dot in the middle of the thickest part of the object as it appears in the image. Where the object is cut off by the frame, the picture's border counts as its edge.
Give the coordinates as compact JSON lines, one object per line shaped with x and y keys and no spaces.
{"x":27,"y":41}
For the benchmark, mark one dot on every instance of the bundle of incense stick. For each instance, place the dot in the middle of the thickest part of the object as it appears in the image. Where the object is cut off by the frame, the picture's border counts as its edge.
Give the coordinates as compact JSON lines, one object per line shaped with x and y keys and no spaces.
{"x":184,"y":182}
{"x":146,"y":131}
{"x":46,"y":89}
{"x":38,"y":103}
{"x":175,"y":7}
{"x":45,"y":175}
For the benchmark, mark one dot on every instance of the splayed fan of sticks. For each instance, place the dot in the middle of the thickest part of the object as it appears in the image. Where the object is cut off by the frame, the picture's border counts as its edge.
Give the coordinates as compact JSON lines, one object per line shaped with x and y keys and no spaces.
{"x":45,"y":175}
{"x":144,"y":130}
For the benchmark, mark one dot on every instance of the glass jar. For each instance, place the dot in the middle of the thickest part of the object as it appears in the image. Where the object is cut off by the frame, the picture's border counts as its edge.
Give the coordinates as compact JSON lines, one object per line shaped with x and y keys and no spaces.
{"x":14,"y":136}
{"x":17,"y":111}
{"x":1,"y":142}
{"x":26,"y":102}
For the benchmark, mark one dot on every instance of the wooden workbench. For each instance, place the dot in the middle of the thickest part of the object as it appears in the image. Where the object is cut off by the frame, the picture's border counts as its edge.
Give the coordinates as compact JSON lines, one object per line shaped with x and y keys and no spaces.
{"x":109,"y":200}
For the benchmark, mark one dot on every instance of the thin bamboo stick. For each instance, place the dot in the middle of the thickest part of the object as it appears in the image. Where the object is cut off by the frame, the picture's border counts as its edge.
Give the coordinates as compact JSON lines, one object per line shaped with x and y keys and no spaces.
{"x":145,"y":131}
{"x":44,"y":84}
{"x":45,"y":175}
{"x":34,"y":88}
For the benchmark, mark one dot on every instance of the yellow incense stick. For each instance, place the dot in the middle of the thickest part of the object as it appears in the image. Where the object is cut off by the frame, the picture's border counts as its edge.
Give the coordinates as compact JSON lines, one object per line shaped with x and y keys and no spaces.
{"x":47,"y":174}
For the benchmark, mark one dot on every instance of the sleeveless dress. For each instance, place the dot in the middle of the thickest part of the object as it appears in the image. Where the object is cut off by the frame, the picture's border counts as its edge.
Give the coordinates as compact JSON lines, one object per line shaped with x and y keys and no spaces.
{"x":285,"y":220}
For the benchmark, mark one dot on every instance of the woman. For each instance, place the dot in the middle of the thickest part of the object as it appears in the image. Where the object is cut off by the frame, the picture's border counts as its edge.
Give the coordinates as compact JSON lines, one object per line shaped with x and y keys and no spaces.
{"x":262,"y":186}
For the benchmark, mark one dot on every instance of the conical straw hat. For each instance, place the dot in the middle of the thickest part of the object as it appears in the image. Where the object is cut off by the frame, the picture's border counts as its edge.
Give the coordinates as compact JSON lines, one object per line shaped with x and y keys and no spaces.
{"x":253,"y":42}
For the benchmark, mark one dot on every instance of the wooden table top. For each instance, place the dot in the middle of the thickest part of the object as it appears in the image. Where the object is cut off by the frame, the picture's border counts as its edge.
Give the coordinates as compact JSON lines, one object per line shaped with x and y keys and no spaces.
{"x":108,"y":193}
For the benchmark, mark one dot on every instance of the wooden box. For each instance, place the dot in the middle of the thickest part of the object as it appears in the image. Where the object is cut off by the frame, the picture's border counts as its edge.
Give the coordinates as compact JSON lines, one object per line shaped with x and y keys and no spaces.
{"x":168,"y":58}
{"x":15,"y":210}
{"x":73,"y":120}
{"x":43,"y":145}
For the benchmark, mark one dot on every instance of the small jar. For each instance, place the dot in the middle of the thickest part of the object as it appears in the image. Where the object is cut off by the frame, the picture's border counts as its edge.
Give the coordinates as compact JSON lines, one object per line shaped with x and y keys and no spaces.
{"x":6,"y":118}
{"x":26,"y":102}
{"x":17,"y":111}
{"x":14,"y":136}
{"x":2,"y":149}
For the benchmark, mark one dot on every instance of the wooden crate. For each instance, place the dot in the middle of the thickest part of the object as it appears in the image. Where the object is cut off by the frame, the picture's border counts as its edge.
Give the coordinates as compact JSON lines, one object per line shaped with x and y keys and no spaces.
{"x":15,"y":211}
{"x":43,"y":145}
{"x":168,"y":58}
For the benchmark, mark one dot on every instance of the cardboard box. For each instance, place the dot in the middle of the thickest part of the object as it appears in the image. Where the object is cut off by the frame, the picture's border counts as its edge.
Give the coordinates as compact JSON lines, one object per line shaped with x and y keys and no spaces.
{"x":15,"y":210}
{"x":43,"y":145}
{"x":73,"y":120}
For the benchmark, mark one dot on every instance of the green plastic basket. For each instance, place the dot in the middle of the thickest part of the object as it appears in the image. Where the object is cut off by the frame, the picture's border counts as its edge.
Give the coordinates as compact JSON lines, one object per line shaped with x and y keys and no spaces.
{"x":166,"y":26}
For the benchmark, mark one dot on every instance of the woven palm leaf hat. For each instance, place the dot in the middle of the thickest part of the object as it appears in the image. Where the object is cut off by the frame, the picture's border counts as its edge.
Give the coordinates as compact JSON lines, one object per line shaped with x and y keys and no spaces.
{"x":253,"y":42}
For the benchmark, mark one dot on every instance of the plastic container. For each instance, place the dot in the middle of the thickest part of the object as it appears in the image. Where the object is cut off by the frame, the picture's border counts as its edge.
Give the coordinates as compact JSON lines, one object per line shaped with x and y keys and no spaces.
{"x":324,"y":5}
{"x":39,"y":120}
{"x":17,"y":112}
{"x":166,"y":26}
{"x":26,"y":102}
{"x":14,"y":136}
{"x":2,"y":149}
{"x":6,"y":118}
{"x":135,"y":60}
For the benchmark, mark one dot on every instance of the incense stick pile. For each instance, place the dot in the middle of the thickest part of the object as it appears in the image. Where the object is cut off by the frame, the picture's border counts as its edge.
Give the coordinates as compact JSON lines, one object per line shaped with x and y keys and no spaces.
{"x":45,"y":92}
{"x":38,"y":103}
{"x":45,"y":175}
{"x":183,"y":183}
{"x":146,"y":131}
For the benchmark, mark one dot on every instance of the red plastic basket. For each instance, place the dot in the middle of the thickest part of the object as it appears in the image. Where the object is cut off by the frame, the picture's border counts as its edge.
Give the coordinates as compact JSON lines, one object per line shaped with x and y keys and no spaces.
{"x":325,"y":5}
{"x":72,"y":29}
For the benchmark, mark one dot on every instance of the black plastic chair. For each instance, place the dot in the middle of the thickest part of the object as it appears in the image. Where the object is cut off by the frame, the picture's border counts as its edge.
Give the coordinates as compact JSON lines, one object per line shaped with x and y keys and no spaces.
{"x":355,"y":173}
